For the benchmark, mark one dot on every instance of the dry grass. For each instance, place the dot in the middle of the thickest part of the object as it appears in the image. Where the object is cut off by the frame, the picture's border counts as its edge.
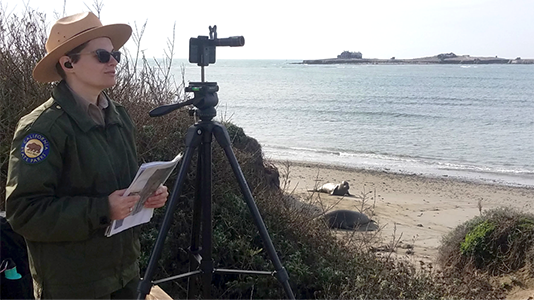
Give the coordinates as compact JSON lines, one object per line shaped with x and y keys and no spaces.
{"x":22,"y":40}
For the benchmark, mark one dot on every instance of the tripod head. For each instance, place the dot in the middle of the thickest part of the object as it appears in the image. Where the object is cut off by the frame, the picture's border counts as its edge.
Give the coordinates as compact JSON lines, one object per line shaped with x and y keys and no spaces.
{"x":202,"y":52}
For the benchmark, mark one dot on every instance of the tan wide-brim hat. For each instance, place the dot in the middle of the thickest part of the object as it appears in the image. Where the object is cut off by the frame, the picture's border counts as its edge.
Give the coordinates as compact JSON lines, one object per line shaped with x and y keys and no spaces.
{"x":72,"y":31}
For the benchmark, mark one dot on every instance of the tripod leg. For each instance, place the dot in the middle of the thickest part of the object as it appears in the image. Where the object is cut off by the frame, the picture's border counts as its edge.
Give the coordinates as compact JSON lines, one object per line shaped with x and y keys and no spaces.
{"x":221,"y":134}
{"x":192,"y":141}
{"x":202,"y":215}
{"x":194,"y":250}
{"x":206,"y":264}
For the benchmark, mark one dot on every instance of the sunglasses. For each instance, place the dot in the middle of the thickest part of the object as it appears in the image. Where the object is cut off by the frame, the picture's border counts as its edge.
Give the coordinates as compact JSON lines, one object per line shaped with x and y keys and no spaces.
{"x":104,"y":56}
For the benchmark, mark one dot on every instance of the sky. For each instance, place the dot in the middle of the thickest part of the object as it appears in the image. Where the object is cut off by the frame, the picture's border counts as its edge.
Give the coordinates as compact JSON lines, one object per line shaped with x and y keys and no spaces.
{"x":298,"y":30}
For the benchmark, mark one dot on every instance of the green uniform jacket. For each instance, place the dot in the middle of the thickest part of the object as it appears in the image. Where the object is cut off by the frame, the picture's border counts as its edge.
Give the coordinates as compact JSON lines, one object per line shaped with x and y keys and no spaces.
{"x":62,"y":169}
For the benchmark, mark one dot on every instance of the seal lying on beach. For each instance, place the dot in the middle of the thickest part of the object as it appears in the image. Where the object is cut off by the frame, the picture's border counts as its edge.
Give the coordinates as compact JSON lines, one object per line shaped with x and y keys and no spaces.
{"x":349,"y":220}
{"x":341,"y":189}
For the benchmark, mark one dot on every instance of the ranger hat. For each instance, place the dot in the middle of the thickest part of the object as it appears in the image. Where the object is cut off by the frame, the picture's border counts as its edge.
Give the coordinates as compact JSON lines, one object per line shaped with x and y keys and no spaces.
{"x":72,"y":31}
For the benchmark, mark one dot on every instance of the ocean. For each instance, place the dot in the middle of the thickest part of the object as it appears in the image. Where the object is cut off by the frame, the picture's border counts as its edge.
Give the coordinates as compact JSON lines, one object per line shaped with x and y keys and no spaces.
{"x":472,"y":122}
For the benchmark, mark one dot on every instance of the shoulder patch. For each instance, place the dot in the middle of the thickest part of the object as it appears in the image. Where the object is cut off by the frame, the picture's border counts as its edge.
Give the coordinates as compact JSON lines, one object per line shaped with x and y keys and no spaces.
{"x":35,"y":148}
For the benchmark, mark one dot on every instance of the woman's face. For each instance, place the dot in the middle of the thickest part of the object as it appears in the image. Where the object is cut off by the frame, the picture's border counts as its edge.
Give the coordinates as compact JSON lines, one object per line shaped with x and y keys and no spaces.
{"x":90,"y":72}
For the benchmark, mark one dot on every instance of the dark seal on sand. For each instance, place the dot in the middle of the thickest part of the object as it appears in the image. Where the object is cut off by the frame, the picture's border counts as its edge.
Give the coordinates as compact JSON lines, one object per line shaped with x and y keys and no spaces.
{"x":349,"y":220}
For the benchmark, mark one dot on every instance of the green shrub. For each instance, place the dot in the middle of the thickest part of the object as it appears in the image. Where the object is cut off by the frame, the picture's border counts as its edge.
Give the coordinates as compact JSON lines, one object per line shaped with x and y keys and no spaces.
{"x":498,"y":242}
{"x":476,"y":241}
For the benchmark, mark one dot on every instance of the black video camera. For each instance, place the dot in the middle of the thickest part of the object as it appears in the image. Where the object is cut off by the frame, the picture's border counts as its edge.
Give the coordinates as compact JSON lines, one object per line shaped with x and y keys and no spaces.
{"x":202,"y":48}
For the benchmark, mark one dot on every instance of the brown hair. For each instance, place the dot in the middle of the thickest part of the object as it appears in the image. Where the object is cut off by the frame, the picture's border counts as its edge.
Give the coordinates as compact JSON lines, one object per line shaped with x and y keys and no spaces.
{"x":74,"y":57}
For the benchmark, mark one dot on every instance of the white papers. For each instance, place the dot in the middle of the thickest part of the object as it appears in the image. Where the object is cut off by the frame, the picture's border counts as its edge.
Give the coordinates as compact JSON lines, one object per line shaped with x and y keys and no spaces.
{"x":147,"y":180}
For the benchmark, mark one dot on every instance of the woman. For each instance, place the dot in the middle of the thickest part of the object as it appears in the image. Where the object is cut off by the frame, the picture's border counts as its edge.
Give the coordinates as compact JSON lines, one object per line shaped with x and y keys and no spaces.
{"x":70,"y":162}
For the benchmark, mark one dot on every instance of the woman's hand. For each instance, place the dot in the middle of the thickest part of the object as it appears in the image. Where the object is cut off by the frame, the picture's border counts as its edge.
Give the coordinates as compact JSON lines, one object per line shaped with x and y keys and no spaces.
{"x":158,"y":199}
{"x":119,"y":206}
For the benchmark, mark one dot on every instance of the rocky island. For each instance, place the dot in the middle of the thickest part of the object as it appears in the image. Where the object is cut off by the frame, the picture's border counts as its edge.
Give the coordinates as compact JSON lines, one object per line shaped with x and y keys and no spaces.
{"x":347,"y":57}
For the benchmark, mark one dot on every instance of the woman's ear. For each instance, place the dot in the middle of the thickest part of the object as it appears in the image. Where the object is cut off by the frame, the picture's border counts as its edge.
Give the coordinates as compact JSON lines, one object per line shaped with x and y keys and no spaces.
{"x":65,"y":64}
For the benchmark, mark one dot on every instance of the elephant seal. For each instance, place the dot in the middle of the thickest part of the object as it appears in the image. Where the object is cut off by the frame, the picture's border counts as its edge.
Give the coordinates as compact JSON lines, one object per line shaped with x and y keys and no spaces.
{"x":349,"y":220}
{"x":341,"y":189}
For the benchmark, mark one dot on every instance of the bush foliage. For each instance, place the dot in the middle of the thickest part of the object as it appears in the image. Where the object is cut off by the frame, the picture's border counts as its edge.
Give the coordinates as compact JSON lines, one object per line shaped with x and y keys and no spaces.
{"x":319,"y":265}
{"x":476,"y":241}
{"x":497,"y":242}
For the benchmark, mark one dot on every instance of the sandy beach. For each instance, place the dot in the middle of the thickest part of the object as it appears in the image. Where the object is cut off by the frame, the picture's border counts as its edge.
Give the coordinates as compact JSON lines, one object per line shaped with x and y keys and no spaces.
{"x":410,"y":209}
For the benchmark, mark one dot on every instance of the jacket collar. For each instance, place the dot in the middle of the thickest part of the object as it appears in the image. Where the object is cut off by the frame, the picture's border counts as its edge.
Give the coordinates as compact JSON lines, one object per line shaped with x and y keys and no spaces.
{"x":63,"y":96}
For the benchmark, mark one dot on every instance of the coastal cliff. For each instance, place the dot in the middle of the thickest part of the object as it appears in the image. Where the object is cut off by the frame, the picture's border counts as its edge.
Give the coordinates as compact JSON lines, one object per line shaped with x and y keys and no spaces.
{"x":444,"y":58}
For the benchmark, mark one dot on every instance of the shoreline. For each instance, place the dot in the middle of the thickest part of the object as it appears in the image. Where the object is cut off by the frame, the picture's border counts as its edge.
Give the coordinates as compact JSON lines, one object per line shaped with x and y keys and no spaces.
{"x":473,"y":176}
{"x":417,"y":210}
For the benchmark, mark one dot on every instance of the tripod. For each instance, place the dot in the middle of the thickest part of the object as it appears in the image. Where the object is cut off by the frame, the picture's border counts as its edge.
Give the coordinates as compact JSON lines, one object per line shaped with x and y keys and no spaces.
{"x":199,"y":136}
